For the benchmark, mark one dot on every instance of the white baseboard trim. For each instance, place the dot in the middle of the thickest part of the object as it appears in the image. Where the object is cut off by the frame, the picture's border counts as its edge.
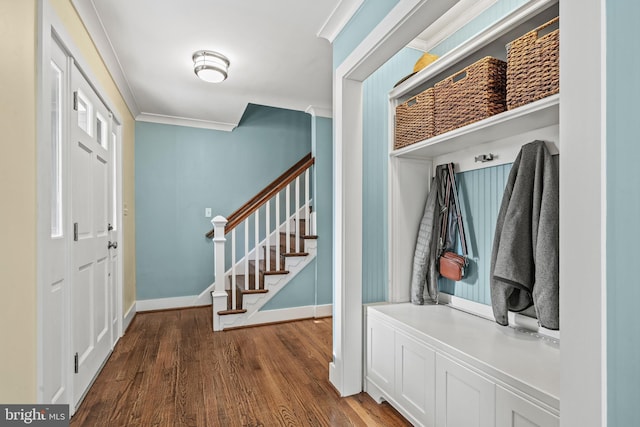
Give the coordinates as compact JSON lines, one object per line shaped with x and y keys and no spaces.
{"x":287,"y":314}
{"x":324,"y":310}
{"x":169,"y":303}
{"x":128,"y":317}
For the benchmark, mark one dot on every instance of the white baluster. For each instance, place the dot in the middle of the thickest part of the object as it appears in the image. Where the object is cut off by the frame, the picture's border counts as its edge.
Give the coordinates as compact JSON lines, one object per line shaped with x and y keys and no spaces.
{"x":278,"y":223}
{"x":307,"y":223}
{"x":257,"y":249}
{"x":287,"y":227}
{"x":297,"y":222}
{"x":246,"y":253}
{"x":267,"y":221}
{"x":219,"y":294}
{"x":233,"y":269}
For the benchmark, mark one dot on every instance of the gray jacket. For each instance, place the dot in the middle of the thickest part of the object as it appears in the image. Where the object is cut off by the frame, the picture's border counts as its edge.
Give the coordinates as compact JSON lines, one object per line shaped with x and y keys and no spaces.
{"x":524,"y":260}
{"x":424,"y":276}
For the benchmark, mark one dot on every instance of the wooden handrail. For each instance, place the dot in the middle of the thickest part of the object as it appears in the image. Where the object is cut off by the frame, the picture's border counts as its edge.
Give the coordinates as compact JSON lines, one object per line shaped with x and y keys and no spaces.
{"x":244,"y":211}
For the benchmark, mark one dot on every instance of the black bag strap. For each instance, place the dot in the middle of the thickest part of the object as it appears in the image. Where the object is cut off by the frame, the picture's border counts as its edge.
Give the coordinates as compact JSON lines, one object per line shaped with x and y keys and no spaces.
{"x":456,"y":203}
{"x":451,"y":189}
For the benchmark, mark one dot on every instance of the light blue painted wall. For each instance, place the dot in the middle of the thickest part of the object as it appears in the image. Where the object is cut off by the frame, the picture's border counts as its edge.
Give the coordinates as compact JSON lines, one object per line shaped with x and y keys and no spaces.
{"x":314,"y":284}
{"x":623,"y":211}
{"x":322,"y":149}
{"x":480,"y":192}
{"x":375,"y":102}
{"x":370,"y":13}
{"x":375,"y":95}
{"x":181,"y":170}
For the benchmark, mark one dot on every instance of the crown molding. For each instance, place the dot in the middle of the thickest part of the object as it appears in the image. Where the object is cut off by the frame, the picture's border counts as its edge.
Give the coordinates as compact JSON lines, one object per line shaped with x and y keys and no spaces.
{"x":319,"y":112}
{"x":342,"y":13}
{"x":91,"y":20}
{"x":454,"y":19}
{"x":182,"y":121}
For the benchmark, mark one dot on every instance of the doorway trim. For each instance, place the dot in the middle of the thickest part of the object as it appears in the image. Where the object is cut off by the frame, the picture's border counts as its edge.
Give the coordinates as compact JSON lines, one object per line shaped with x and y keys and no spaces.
{"x":50,"y":27}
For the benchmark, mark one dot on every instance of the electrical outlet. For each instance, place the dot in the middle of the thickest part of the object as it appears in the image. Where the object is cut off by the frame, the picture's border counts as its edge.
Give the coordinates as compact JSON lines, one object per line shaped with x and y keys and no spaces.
{"x":207,"y":212}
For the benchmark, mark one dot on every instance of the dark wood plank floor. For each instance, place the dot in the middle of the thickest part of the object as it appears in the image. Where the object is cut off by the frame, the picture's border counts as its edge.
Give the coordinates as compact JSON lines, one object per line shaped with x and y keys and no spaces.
{"x":170,"y":369}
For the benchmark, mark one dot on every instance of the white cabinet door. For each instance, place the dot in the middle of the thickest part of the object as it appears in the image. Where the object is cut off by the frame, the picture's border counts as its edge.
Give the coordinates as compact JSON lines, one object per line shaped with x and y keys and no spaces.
{"x":380,"y":354}
{"x":514,"y":411}
{"x":464,"y":398}
{"x":415,"y":378}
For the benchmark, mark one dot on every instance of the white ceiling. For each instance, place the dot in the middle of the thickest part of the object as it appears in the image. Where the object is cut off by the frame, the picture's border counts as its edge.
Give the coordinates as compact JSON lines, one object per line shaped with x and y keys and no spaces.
{"x":277,"y":58}
{"x":280,"y":53}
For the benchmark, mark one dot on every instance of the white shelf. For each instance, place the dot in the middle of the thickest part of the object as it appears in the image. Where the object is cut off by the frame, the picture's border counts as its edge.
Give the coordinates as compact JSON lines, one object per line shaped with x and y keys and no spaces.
{"x":536,"y":115}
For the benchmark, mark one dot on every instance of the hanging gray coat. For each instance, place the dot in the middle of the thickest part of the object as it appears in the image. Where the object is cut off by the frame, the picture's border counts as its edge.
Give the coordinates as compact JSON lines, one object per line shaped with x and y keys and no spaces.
{"x":524,"y":259}
{"x":424,"y":276}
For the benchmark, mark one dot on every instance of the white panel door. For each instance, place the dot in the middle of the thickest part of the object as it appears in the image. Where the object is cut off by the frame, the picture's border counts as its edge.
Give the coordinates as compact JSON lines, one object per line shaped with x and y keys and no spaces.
{"x":415,"y":378}
{"x":91,"y":177}
{"x":514,"y":411}
{"x":464,"y":398}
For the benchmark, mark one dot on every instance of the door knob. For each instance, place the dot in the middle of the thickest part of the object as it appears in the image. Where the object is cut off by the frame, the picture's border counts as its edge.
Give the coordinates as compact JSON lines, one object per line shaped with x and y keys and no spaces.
{"x":113,"y":245}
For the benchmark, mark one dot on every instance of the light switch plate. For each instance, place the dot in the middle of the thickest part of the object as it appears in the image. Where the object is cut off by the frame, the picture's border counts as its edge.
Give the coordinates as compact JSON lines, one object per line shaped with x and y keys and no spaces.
{"x":207,"y":212}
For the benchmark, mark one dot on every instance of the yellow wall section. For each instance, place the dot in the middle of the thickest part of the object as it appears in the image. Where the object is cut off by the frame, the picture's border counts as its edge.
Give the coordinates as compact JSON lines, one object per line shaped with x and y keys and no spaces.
{"x":74,"y":27}
{"x":18,"y":307}
{"x":18,"y":194}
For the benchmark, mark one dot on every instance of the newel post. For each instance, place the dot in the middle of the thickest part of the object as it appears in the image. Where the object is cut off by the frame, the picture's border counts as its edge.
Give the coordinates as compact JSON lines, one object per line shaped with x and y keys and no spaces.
{"x":219,"y":294}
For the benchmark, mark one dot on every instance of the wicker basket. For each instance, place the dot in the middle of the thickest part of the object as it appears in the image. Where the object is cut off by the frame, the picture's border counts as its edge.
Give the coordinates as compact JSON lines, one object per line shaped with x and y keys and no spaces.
{"x":414,"y":120}
{"x":472,"y":94}
{"x":533,"y":66}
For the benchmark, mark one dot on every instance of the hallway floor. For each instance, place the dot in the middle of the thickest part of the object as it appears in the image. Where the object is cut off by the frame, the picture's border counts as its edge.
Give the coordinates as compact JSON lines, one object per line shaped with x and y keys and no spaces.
{"x":170,"y":369}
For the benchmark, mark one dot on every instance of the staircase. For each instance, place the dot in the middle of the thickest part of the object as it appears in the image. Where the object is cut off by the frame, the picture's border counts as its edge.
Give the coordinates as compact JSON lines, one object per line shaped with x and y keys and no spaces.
{"x":277,"y":240}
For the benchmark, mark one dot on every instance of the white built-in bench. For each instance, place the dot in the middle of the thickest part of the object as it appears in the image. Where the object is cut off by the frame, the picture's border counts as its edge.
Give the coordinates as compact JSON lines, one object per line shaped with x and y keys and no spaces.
{"x":440,"y":366}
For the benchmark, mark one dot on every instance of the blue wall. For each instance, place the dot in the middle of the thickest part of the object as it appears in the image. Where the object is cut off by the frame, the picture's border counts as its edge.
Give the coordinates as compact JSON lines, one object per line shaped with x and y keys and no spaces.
{"x":314,"y":284}
{"x":623,"y":211}
{"x":180,"y":171}
{"x":359,"y":26}
{"x":322,"y":146}
{"x":375,"y":101}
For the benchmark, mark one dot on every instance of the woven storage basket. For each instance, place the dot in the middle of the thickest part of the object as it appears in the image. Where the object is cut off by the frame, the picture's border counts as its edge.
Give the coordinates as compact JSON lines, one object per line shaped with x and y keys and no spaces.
{"x":414,"y":120}
{"x":472,"y":94}
{"x":533,"y":66}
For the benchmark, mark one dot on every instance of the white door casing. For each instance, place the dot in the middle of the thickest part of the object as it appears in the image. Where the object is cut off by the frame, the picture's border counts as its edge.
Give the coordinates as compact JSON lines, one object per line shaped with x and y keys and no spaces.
{"x":58,"y":60}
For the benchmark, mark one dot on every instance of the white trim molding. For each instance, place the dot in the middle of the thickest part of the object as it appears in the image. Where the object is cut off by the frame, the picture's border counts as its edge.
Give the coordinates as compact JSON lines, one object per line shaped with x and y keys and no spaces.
{"x":167,"y":303}
{"x":87,"y":11}
{"x":288,"y":314}
{"x":319,"y":111}
{"x":457,"y":17}
{"x":128,"y":317}
{"x":343,"y":12}
{"x":183,"y":121}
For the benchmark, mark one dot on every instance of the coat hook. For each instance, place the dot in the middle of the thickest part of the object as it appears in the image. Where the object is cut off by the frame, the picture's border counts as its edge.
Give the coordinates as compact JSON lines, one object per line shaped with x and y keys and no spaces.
{"x":484,"y":158}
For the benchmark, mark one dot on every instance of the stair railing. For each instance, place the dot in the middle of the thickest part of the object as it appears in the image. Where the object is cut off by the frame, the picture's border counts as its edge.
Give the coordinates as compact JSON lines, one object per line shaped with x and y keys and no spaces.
{"x":242,"y":218}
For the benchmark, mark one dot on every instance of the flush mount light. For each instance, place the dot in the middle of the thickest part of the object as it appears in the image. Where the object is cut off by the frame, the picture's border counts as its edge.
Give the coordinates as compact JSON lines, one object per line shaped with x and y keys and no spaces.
{"x":210,"y":66}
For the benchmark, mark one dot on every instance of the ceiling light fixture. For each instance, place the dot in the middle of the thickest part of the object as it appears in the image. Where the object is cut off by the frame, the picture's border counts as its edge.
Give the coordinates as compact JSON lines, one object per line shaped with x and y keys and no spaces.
{"x":210,"y":66}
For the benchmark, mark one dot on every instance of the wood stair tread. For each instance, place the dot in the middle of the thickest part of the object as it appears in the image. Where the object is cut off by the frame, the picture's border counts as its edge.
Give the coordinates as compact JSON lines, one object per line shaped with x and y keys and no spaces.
{"x":236,"y":311}
{"x":253,"y":291}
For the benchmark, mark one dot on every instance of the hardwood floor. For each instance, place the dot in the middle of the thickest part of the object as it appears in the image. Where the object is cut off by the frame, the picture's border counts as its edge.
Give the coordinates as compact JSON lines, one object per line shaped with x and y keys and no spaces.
{"x":170,"y":369}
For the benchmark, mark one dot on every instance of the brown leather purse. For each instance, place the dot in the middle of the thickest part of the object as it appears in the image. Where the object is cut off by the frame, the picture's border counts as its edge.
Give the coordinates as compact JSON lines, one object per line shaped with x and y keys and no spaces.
{"x":450,"y":264}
